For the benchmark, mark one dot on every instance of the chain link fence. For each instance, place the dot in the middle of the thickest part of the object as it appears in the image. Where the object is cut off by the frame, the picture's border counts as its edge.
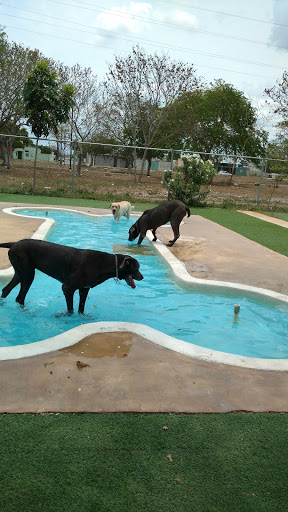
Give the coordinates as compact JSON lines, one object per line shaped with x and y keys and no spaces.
{"x":114,"y":172}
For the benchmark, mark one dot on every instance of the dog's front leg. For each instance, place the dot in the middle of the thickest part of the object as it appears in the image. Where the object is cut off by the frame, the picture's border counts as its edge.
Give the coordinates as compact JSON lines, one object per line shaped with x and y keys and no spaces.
{"x":68,"y":294}
{"x":141,"y":238}
{"x":83,"y":292}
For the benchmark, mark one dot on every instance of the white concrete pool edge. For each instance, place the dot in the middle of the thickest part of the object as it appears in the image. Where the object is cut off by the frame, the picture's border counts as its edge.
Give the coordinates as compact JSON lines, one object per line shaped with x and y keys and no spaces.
{"x":74,"y":335}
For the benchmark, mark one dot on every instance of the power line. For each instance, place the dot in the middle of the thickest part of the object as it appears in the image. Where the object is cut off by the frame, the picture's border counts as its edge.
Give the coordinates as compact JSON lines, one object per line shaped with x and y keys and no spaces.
{"x":207,"y":54}
{"x":224,"y":13}
{"x":126,"y":51}
{"x":116,"y":13}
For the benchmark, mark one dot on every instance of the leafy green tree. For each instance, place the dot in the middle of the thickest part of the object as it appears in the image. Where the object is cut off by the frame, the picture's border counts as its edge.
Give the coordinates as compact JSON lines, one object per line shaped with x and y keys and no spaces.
{"x":15,"y":62}
{"x":218,"y":119}
{"x":47,"y":103}
{"x":7,"y":144}
{"x":187,"y":183}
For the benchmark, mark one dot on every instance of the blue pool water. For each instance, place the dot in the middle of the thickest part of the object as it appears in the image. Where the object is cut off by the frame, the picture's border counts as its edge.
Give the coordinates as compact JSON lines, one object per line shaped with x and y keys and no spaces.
{"x":202,"y":318}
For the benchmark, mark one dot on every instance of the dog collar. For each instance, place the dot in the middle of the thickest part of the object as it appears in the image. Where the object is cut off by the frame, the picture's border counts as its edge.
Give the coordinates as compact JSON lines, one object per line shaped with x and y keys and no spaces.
{"x":116,"y":279}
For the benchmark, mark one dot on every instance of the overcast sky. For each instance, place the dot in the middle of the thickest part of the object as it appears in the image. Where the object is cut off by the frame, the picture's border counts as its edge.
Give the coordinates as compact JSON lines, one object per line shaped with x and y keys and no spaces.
{"x":245,"y":43}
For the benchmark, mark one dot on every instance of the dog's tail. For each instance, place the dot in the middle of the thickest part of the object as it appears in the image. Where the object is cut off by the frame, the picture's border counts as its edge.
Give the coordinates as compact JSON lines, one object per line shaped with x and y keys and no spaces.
{"x":132,"y":207}
{"x":8,"y":245}
{"x":188,"y":211}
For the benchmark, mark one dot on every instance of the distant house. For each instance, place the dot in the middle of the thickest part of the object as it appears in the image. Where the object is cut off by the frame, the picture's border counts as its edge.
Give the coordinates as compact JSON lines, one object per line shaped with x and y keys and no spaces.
{"x":28,"y":153}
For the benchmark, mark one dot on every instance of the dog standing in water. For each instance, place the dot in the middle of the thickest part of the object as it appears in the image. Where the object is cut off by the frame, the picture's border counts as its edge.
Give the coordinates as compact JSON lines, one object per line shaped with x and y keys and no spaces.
{"x":77,"y":269}
{"x":122,"y":208}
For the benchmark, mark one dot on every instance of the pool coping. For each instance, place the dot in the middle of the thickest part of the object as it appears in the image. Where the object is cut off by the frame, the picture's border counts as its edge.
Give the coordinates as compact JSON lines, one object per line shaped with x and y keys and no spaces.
{"x":182,"y":276}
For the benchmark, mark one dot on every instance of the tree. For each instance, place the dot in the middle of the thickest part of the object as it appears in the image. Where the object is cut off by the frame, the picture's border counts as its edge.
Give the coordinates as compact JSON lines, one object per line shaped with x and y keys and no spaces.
{"x":87,"y":116}
{"x":7,"y":143}
{"x":279,"y":95}
{"x":278,"y":150}
{"x":142,"y":89}
{"x":218,"y":119}
{"x":15,"y":62}
{"x":47,"y":103}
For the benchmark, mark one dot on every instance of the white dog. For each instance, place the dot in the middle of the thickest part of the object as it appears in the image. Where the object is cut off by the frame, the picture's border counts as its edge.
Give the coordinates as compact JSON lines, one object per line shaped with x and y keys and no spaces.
{"x":123,"y":208}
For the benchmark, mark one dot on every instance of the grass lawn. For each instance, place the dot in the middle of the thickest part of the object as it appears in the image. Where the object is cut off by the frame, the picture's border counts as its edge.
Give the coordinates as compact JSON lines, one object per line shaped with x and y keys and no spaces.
{"x":279,"y":215}
{"x":119,"y":462}
{"x":265,"y":233}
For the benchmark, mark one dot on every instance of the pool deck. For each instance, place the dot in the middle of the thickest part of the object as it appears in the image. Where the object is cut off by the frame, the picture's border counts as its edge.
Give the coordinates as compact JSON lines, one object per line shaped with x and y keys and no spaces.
{"x":119,"y":372}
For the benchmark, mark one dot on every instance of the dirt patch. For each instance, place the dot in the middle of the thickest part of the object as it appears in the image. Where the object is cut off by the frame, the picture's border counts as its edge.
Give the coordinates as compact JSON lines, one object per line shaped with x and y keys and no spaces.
{"x":114,"y":183}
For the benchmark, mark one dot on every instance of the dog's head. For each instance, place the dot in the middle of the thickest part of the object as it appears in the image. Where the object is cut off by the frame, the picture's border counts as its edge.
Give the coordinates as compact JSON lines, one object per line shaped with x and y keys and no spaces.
{"x":114,"y":207}
{"x":129,"y":270}
{"x":133,"y":232}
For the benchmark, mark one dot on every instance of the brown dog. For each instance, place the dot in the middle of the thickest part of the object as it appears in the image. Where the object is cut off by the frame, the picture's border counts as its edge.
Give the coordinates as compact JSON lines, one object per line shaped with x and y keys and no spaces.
{"x":77,"y":269}
{"x":173,"y":211}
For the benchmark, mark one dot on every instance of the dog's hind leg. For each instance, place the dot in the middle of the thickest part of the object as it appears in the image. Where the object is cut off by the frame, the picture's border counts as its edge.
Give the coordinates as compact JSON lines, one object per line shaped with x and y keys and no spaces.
{"x":83,"y":292}
{"x":175,"y":228}
{"x":26,"y":282}
{"x":154,"y":234}
{"x":7,"y":289}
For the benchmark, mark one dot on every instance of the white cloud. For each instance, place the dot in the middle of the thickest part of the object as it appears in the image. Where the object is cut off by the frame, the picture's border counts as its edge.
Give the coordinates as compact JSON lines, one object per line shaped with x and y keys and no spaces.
{"x":129,"y":18}
{"x":124,"y":17}
{"x":177,"y":17}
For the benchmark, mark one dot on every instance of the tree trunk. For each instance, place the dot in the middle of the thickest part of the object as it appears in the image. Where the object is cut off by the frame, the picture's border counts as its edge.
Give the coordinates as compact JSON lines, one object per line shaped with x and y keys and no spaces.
{"x":5,"y":154}
{"x":149,"y":160}
{"x":135,"y":164}
{"x":142,"y":164}
{"x":80,"y":159}
{"x":130,"y":163}
{"x":34,"y":170}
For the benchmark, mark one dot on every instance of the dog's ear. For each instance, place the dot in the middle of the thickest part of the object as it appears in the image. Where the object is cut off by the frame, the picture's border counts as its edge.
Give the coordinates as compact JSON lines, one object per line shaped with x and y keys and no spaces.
{"x":126,"y":262}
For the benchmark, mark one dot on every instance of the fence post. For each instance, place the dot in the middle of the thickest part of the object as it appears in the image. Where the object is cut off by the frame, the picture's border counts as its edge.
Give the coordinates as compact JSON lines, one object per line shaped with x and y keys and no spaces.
{"x":172,"y":156}
{"x":74,"y":158}
{"x":260,"y":181}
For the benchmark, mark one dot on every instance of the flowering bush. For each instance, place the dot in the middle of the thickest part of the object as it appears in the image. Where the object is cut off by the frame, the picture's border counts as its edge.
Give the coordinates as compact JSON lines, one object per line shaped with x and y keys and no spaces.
{"x":187,"y":182}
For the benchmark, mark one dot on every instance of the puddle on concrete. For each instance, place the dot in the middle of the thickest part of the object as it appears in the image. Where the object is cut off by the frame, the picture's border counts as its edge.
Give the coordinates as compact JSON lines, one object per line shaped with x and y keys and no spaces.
{"x":133,"y":249}
{"x":112,"y":344}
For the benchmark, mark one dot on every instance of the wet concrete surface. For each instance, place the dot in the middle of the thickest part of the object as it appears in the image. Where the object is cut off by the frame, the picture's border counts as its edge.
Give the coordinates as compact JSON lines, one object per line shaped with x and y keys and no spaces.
{"x":113,"y":372}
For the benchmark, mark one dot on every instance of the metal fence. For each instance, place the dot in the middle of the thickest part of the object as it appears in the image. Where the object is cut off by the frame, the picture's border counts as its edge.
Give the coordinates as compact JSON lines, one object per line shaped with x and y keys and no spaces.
{"x":111,"y":171}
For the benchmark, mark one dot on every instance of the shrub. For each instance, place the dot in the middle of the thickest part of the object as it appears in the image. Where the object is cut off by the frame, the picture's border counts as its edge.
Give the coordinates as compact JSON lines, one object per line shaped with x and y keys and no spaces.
{"x":185,"y":184}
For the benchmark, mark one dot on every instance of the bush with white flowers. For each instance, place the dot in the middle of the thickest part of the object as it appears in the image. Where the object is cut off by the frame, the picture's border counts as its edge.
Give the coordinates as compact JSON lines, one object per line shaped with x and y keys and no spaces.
{"x":188,"y":181}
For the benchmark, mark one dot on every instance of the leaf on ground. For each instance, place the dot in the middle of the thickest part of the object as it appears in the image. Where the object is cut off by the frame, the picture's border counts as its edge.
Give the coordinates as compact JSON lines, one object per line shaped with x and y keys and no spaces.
{"x":169,"y":458}
{"x":81,"y":365}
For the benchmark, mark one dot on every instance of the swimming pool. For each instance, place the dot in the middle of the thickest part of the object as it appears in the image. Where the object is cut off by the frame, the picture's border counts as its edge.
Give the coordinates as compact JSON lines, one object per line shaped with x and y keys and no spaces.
{"x":203,"y":318}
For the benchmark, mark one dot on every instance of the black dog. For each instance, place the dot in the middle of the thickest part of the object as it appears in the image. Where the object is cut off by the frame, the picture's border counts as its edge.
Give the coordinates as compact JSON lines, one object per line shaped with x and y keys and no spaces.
{"x":174,"y":211}
{"x":77,"y":269}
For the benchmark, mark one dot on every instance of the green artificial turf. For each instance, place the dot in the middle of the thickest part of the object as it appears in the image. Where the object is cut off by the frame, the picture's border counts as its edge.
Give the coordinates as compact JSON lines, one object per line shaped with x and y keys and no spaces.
{"x":278,"y":215}
{"x":119,"y":463}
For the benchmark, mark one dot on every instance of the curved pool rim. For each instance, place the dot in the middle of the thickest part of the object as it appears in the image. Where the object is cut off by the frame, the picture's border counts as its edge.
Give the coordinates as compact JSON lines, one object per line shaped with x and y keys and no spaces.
{"x":73,"y":336}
